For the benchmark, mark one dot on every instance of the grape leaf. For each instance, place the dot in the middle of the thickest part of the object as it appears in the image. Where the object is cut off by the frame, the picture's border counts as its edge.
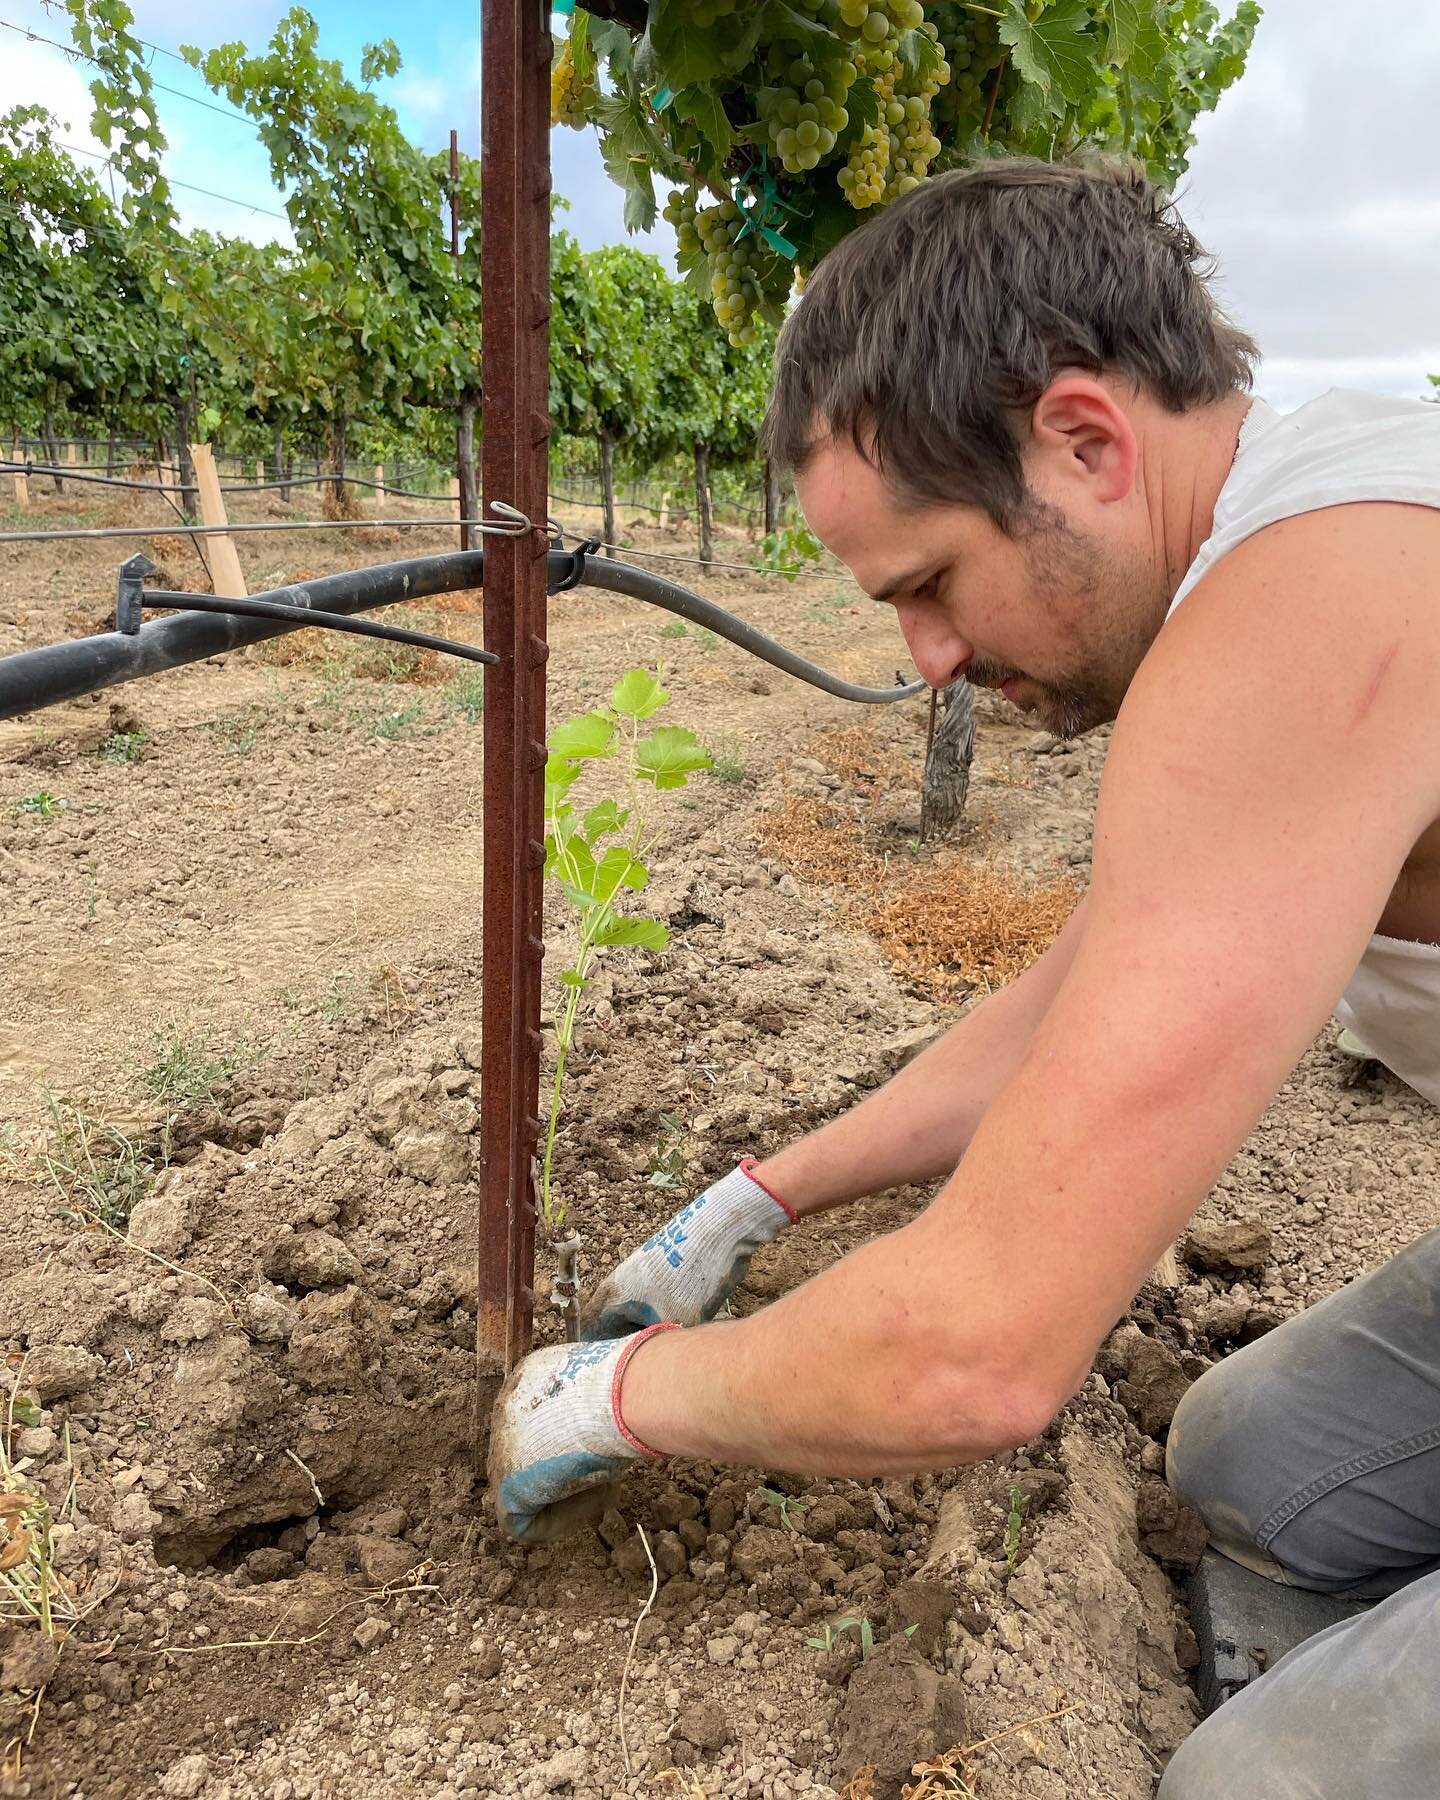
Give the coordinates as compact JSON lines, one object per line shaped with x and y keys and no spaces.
{"x":668,"y":755}
{"x":677,"y":53}
{"x":1148,"y":51}
{"x":1122,"y":27}
{"x":582,"y":53}
{"x":640,"y":208}
{"x":702,"y":107}
{"x":1054,"y":52}
{"x":617,"y":868}
{"x":919,"y":55}
{"x":781,"y":23}
{"x":591,"y":734}
{"x":560,"y":774}
{"x":612,"y":41}
{"x":630,"y":928}
{"x":637,"y":695}
{"x":605,"y":816}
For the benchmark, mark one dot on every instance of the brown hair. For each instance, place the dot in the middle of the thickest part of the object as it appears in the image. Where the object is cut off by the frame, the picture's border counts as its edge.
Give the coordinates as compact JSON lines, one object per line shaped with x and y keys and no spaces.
{"x":924,"y":334}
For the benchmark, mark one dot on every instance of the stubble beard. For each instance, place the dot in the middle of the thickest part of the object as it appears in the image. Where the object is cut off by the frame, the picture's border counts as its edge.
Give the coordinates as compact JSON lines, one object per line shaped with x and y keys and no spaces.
{"x":1063,"y":565}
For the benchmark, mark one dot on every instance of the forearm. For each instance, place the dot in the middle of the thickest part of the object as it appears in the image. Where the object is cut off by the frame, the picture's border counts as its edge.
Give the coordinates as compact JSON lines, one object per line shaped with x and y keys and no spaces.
{"x":847,"y":1375}
{"x":919,"y":1124}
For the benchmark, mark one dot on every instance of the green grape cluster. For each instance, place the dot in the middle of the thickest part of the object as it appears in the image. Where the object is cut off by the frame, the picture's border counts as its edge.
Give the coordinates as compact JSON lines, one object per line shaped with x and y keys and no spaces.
{"x":913,"y":143}
{"x":808,"y":112}
{"x":680,"y":211}
{"x":896,"y":147}
{"x":866,"y":173}
{"x":569,"y":95}
{"x":741,"y":268}
{"x":971,"y":42}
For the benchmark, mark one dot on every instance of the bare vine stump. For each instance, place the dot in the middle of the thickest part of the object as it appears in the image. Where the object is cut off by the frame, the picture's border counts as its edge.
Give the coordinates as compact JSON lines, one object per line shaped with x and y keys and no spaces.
{"x":946,"y":781}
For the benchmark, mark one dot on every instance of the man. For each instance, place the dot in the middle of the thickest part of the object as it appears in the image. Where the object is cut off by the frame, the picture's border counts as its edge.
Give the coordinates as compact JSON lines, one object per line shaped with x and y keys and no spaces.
{"x":1014,"y":410}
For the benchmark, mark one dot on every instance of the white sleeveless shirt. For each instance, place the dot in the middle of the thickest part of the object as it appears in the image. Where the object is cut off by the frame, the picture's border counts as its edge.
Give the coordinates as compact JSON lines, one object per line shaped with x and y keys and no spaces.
{"x":1338,"y":449}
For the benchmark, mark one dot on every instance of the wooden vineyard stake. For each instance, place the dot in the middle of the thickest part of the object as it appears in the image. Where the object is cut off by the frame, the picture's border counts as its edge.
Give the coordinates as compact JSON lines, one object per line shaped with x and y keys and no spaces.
{"x":380,"y":483}
{"x":226,"y":575}
{"x":259,"y":469}
{"x":459,"y":509}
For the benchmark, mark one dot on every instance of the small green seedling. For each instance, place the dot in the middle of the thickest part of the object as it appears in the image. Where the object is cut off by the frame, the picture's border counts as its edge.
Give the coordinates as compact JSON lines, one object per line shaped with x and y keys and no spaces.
{"x":465,"y":695}
{"x":728,"y":766}
{"x":41,"y":805}
{"x":1019,"y":1500}
{"x":784,"y":1505}
{"x":675,"y":628}
{"x":189,"y":1069}
{"x":124,"y":746}
{"x":667,"y":1164}
{"x":830,"y":1634}
{"x":595,"y":857}
{"x":397,"y":721}
{"x":96,"y":1169}
{"x":237,"y":733}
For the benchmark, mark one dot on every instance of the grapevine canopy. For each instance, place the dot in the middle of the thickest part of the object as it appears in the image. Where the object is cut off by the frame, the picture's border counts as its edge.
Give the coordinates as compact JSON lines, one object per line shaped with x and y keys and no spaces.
{"x":779,"y":126}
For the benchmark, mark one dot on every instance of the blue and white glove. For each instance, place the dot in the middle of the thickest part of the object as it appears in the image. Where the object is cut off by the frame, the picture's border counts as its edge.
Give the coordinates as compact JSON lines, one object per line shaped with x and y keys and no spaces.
{"x":688,"y":1270}
{"x":557,"y":1439}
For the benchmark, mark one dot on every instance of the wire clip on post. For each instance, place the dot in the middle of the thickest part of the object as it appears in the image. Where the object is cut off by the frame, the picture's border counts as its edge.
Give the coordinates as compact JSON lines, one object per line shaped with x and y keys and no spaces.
{"x":563,"y":579}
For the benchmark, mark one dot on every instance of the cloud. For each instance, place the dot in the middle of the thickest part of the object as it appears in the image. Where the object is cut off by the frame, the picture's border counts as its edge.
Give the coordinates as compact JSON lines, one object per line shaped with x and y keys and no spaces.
{"x":32,"y":75}
{"x":1313,"y":185}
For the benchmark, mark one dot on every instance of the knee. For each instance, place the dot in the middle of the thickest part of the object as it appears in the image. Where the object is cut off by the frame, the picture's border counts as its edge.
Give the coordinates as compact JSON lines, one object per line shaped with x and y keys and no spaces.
{"x":1240,"y":1750}
{"x":1205,"y":1458}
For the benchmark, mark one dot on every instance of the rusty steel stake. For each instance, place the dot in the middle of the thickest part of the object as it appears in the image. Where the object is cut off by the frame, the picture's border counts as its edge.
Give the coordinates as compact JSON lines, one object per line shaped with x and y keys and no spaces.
{"x":515,"y":153}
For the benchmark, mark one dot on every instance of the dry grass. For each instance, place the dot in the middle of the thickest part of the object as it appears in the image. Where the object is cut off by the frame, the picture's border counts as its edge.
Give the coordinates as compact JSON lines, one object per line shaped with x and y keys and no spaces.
{"x":947,"y":924}
{"x":818,"y":841}
{"x":375,"y":659}
{"x":964,"y":924}
{"x":857,"y":753}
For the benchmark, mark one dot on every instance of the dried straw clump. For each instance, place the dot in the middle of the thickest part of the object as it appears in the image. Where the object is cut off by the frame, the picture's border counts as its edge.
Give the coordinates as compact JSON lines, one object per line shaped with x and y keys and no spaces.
{"x":857,"y":753}
{"x":818,"y":842}
{"x":965,"y":925}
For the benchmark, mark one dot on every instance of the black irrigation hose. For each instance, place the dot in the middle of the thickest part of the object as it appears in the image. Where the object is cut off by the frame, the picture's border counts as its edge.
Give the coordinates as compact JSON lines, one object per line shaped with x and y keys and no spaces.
{"x":36,"y":678}
{"x":66,"y":671}
{"x":303,"y":616}
{"x":655,"y":590}
{"x":67,"y":474}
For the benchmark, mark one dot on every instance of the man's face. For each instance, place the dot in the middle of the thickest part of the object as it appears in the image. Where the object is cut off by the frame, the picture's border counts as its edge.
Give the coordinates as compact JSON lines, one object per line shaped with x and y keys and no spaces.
{"x":1056,"y":617}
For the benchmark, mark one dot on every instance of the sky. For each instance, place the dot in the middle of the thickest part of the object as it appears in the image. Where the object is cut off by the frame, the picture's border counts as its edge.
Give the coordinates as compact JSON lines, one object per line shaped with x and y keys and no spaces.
{"x":1312,"y":185}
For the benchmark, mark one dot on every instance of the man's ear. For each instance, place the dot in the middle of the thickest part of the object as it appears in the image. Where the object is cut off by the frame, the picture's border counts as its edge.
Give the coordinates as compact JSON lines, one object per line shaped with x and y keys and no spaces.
{"x":1083,"y":434}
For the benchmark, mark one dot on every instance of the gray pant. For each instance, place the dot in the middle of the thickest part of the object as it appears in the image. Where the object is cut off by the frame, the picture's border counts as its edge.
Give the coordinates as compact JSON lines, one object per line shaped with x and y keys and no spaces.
{"x":1314,"y":1455}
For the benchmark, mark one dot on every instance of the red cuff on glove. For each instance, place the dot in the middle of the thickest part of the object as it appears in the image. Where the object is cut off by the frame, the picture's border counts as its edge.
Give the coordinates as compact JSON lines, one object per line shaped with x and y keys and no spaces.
{"x":623,"y":1362}
{"x":749,"y":1164}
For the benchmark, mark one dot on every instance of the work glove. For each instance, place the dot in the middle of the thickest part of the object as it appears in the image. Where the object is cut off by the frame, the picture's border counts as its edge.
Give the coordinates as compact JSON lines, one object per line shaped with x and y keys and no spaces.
{"x":688,"y":1270}
{"x":557,"y":1439}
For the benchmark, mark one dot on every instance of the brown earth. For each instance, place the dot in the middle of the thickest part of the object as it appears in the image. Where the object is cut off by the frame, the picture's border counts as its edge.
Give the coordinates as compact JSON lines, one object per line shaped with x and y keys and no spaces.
{"x":260,"y":1449}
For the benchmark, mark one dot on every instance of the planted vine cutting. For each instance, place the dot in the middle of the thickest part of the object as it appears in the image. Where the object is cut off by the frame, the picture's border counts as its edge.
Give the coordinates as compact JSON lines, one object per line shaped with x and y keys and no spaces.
{"x":595,"y":858}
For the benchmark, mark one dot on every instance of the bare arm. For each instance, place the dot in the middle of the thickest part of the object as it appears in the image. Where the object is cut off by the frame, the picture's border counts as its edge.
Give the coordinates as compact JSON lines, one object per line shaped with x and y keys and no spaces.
{"x":1273,"y":765}
{"x":919,"y":1124}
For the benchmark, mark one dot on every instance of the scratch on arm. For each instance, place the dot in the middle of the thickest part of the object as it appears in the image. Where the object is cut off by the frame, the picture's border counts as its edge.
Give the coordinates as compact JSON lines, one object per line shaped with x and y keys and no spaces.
{"x":1367,"y":699}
